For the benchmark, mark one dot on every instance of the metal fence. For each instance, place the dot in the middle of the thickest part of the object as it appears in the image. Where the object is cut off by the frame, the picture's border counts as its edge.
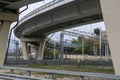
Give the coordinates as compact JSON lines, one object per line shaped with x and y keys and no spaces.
{"x":54,"y":72}
{"x":58,"y":62}
{"x":14,"y":51}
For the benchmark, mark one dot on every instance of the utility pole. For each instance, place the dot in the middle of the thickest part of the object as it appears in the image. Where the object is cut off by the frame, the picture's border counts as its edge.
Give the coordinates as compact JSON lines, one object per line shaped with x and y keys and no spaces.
{"x":54,"y":50}
{"x":83,"y":48}
{"x":100,"y":43}
{"x":61,"y":45}
{"x":17,"y":49}
{"x":106,"y":51}
{"x":91,"y":46}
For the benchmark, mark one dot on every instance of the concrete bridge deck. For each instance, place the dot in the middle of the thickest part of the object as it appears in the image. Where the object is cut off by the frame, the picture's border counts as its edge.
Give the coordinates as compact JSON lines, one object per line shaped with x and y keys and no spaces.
{"x":58,"y":15}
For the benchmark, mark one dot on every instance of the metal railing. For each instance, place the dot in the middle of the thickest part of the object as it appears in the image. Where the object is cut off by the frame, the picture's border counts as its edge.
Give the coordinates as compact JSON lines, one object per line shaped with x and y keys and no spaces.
{"x":18,"y":77}
{"x":53,"y":72}
{"x":40,"y":8}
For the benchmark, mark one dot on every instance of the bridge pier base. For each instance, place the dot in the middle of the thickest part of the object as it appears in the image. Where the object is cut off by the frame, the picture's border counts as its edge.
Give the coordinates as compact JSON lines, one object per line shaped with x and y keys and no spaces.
{"x":4,"y":31}
{"x":41,"y":49}
{"x":6,"y":18}
{"x":111,"y":14}
{"x":24,"y":50}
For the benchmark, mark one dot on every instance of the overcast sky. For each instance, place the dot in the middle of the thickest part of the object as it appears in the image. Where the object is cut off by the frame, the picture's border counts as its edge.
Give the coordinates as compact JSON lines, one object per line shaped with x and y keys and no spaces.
{"x":87,"y":28}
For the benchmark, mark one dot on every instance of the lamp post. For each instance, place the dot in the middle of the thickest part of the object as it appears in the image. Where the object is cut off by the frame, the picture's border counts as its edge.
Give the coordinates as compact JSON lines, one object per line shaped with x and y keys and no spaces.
{"x":100,"y":44}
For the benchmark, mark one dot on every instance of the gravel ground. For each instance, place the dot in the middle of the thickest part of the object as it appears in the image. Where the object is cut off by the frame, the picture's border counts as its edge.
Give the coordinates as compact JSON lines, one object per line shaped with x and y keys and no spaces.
{"x":86,"y":78}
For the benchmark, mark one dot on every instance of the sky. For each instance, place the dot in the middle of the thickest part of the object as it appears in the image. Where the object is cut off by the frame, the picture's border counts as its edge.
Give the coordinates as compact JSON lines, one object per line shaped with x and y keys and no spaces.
{"x":88,"y":28}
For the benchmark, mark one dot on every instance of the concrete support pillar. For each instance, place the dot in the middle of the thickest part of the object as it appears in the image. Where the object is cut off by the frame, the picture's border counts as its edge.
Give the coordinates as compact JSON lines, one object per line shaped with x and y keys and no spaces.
{"x":111,"y":14}
{"x":4,"y":31}
{"x":41,"y":49}
{"x":24,"y":50}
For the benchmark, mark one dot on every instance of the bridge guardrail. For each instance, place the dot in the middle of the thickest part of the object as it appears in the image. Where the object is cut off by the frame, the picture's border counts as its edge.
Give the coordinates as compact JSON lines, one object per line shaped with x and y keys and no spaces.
{"x":18,"y":77}
{"x":52,"y":72}
{"x":40,"y":8}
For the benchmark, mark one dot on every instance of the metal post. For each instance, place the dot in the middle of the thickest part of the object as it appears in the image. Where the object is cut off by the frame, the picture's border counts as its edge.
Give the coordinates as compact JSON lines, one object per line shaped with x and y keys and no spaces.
{"x":107,"y":51}
{"x":90,"y":49}
{"x":52,"y":76}
{"x":83,"y":48}
{"x":54,"y":50}
{"x":61,"y":45}
{"x":17,"y":49}
{"x":100,"y":44}
{"x":81,"y":77}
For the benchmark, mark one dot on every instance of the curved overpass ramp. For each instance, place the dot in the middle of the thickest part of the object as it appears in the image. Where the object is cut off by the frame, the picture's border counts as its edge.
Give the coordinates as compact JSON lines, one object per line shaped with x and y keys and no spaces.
{"x":58,"y":15}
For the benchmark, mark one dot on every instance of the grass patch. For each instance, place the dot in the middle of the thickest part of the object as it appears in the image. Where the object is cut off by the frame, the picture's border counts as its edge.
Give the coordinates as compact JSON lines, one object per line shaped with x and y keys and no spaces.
{"x":88,"y":68}
{"x":77,"y":68}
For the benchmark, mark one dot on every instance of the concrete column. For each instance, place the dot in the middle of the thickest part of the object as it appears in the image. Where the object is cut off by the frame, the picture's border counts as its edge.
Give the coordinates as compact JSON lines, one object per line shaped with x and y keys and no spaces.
{"x":4,"y":31}
{"x":24,"y":50}
{"x":111,"y":14}
{"x":41,"y":49}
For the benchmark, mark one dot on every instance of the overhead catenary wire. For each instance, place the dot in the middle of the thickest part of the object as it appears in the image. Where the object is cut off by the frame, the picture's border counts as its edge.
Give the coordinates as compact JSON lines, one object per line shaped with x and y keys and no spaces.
{"x":49,"y":39}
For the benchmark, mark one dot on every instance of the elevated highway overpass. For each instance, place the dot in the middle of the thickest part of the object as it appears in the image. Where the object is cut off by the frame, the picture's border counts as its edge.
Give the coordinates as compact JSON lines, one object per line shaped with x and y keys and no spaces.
{"x":58,"y":15}
{"x":55,"y":17}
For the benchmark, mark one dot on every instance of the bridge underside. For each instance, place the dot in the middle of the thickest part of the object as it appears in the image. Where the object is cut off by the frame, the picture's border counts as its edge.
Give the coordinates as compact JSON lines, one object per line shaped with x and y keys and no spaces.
{"x":72,"y":14}
{"x":67,"y":25}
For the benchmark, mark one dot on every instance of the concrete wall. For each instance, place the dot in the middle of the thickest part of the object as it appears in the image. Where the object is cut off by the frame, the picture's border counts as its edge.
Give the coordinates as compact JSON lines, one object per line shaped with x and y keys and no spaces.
{"x":111,"y":14}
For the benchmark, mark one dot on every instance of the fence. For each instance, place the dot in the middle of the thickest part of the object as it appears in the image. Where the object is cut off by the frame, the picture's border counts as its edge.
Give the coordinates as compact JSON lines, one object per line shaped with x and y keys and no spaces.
{"x":53,"y":72}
